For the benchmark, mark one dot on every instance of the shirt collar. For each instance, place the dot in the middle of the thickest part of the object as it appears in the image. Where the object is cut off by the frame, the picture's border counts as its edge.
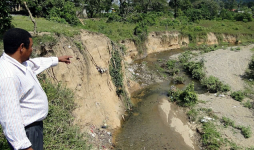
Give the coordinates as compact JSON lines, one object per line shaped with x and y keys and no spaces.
{"x":14,"y":62}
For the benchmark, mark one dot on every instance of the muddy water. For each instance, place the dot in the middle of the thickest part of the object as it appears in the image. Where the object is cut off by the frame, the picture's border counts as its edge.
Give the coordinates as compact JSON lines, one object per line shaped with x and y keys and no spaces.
{"x":154,"y":123}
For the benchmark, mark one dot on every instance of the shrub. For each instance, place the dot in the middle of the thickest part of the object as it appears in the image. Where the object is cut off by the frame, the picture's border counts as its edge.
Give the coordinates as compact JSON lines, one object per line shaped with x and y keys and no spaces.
{"x":246,"y":17}
{"x":184,"y":98}
{"x":238,"y":95}
{"x":185,"y":57}
{"x":211,"y":138}
{"x":246,"y":131}
{"x":170,"y":64}
{"x":114,"y":17}
{"x":115,"y":70}
{"x":192,"y":114}
{"x":64,"y":13}
{"x":178,"y":79}
{"x":165,"y":22}
{"x":195,"y":69}
{"x":198,"y":74}
{"x":227,"y":122}
{"x":248,"y":104}
{"x":238,"y":49}
{"x":212,"y":84}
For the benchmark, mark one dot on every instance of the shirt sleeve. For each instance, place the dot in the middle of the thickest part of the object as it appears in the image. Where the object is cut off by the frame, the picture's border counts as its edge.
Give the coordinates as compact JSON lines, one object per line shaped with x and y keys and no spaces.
{"x":10,"y":113}
{"x":40,"y":64}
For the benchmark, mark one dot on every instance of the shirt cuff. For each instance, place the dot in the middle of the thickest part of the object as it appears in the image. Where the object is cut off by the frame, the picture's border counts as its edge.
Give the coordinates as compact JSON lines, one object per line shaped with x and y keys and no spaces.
{"x":54,"y":61}
{"x":21,"y":145}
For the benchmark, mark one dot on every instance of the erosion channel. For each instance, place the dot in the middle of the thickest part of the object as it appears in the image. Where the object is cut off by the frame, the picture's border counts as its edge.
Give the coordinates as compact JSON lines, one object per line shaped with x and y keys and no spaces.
{"x":154,"y":122}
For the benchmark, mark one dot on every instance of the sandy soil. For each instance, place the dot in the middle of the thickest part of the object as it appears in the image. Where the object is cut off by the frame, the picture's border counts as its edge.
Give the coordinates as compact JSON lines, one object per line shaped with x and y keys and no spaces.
{"x":229,"y":66}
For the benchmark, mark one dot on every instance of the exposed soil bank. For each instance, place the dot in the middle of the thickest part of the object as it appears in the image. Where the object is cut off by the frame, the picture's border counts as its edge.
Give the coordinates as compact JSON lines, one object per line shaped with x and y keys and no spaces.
{"x":161,"y":41}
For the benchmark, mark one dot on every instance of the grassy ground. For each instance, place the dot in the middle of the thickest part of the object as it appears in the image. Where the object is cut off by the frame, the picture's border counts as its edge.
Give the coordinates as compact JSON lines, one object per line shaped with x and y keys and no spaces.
{"x":44,"y":25}
{"x":117,"y":31}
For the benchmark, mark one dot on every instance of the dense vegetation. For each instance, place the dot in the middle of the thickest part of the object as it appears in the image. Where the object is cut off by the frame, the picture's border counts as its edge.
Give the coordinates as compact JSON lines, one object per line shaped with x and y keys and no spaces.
{"x":5,"y":18}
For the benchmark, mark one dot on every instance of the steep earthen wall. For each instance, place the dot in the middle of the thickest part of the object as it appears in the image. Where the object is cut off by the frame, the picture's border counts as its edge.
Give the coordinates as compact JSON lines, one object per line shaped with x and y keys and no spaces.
{"x":162,"y":41}
{"x":95,"y":93}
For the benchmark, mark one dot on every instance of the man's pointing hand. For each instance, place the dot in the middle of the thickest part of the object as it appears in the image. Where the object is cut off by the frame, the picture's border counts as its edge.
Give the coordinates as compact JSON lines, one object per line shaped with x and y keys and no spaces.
{"x":65,"y":59}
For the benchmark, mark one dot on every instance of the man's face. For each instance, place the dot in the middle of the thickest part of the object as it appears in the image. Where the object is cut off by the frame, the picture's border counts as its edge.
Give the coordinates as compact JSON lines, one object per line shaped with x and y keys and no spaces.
{"x":27,"y":52}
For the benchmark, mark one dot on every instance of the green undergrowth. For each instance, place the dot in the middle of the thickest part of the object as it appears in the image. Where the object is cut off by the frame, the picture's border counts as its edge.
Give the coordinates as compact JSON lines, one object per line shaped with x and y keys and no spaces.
{"x":245,"y":131}
{"x":196,"y":71}
{"x":59,"y":130}
{"x":184,"y":98}
{"x":237,"y":95}
{"x":211,"y":138}
{"x":116,"y":73}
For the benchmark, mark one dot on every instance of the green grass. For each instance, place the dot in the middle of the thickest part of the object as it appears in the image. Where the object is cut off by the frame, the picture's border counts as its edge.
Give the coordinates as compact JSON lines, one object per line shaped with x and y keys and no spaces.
{"x":44,"y":25}
{"x":118,"y":31}
{"x":248,"y":104}
{"x":227,"y":122}
{"x":246,"y":131}
{"x":211,"y":139}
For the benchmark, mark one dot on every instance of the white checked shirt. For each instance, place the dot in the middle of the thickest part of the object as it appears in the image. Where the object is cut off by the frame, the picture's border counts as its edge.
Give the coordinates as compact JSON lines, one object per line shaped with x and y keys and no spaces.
{"x":22,"y":99}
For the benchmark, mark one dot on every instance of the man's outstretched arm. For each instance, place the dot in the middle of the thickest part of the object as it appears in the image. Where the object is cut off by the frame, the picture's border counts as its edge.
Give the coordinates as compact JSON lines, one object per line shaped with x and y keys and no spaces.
{"x":40,"y":64}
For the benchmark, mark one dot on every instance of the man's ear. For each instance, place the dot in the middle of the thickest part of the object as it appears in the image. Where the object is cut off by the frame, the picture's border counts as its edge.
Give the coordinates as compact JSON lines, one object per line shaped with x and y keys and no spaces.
{"x":21,"y":47}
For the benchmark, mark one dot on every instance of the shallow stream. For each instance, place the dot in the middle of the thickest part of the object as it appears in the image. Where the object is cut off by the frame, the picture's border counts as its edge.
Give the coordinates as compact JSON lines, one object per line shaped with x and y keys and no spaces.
{"x":154,"y":123}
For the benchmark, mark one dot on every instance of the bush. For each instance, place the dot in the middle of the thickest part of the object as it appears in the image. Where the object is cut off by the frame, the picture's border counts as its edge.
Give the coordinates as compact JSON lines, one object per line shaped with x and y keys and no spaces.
{"x":246,"y":17}
{"x":246,"y":131}
{"x":195,"y":69}
{"x":192,"y":114}
{"x":178,"y":79}
{"x":238,"y":95}
{"x":114,"y":17}
{"x":211,"y":138}
{"x":228,"y":122}
{"x":184,"y":98}
{"x":212,"y":84}
{"x":64,"y":13}
{"x":185,"y":57}
{"x":170,"y":64}
{"x":248,"y":104}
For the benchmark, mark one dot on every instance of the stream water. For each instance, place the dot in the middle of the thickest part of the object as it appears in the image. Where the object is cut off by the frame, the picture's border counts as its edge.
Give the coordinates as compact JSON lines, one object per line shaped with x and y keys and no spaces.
{"x":147,"y":126}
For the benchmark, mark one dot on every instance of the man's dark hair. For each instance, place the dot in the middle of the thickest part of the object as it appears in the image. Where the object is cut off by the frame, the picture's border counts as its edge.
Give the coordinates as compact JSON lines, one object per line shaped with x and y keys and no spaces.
{"x":13,"y":38}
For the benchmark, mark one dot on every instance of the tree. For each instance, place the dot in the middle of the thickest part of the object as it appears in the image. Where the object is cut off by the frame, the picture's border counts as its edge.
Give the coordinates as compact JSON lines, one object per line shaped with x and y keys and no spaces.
{"x":144,"y":5}
{"x":5,"y":18}
{"x":230,"y":4}
{"x":209,"y":8}
{"x":180,"y":5}
{"x":96,"y":6}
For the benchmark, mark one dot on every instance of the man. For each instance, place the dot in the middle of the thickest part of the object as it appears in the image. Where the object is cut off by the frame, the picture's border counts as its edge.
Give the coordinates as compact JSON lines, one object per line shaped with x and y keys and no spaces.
{"x":23,"y":103}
